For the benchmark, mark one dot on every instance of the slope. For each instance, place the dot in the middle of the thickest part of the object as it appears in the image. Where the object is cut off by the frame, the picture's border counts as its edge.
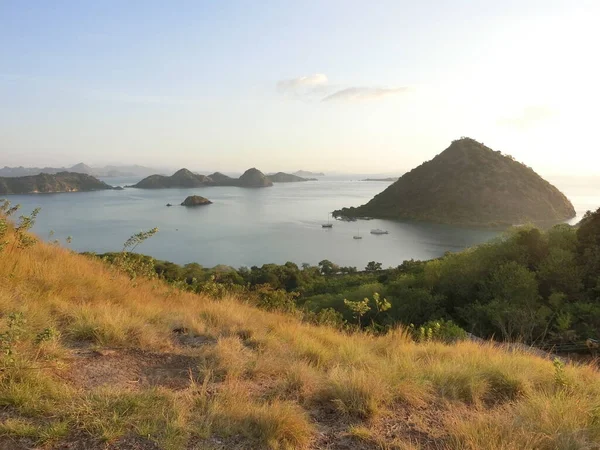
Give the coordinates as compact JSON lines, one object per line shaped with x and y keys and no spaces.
{"x":94,"y":359}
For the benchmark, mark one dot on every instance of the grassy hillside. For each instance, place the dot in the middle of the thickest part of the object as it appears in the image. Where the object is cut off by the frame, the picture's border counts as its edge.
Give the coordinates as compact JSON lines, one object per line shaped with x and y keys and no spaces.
{"x":94,"y":359}
{"x":469,"y":184}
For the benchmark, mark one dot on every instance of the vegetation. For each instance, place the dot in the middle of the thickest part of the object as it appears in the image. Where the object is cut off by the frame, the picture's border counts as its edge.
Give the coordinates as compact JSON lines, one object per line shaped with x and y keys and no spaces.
{"x":469,"y":184}
{"x":60,"y":182}
{"x":93,"y":356}
{"x":531,"y":286}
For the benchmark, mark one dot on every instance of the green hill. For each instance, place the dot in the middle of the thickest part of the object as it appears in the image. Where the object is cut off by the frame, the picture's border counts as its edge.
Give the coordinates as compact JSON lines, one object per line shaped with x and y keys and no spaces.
{"x":469,"y":184}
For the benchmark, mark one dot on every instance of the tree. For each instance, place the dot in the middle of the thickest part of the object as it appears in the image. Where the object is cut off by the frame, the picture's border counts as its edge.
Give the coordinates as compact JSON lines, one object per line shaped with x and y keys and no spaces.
{"x":373,"y":266}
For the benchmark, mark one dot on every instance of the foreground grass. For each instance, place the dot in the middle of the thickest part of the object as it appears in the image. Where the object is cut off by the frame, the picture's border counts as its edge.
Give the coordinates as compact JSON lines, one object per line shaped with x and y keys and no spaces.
{"x":255,"y":379}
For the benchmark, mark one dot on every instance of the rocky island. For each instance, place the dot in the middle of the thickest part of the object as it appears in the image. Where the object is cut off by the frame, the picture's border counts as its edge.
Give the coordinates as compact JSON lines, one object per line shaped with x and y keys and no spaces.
{"x":196,"y":200}
{"x":469,"y":184}
{"x":184,"y":178}
{"x":51,"y":183}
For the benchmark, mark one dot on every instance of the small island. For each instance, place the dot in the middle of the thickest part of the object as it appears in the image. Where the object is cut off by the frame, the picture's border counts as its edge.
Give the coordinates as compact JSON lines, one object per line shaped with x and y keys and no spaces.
{"x":51,"y":183}
{"x":282,"y":177}
{"x":469,"y":184}
{"x":196,"y":200}
{"x":389,"y":179}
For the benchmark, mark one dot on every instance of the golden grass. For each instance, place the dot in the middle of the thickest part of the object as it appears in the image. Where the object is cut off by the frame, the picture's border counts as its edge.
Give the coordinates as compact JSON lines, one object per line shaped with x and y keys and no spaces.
{"x":262,"y":379}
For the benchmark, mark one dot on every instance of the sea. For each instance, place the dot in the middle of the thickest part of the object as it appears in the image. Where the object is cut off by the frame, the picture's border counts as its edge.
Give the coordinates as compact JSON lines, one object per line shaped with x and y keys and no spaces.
{"x":251,"y":227}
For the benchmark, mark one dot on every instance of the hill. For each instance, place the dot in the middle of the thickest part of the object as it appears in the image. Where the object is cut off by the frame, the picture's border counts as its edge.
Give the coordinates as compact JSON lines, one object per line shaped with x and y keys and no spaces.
{"x":183,"y":178}
{"x":254,"y":178}
{"x":469,"y":184}
{"x":48,"y":183}
{"x":282,"y":177}
{"x":93,"y":358}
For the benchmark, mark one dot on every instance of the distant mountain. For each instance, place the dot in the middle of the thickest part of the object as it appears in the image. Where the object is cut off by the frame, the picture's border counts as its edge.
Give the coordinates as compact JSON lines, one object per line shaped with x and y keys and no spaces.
{"x":184,"y":178}
{"x":306,"y":173}
{"x":469,"y":184}
{"x":106,"y":171}
{"x":46,"y":183}
{"x":381,"y":179}
{"x":281,"y":177}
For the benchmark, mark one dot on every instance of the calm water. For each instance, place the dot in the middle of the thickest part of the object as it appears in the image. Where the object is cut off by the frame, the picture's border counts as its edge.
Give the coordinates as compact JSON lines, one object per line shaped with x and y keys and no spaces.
{"x":246,"y":227}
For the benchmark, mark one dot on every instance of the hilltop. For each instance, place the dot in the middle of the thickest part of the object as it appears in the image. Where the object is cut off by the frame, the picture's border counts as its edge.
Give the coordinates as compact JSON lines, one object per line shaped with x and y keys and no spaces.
{"x":93,"y":358}
{"x":50,"y":183}
{"x":469,"y":184}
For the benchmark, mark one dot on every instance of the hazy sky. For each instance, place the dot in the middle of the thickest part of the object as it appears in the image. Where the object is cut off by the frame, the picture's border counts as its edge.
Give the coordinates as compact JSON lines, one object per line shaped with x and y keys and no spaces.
{"x":363,"y":86}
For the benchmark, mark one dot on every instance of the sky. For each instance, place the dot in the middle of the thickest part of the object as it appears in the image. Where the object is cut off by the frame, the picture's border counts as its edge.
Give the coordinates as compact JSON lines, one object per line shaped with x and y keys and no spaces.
{"x":328,"y":85}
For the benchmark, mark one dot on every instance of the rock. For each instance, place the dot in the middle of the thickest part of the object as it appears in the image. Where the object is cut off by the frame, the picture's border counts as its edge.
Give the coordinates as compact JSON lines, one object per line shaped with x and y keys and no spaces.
{"x":168,"y":204}
{"x":196,"y":200}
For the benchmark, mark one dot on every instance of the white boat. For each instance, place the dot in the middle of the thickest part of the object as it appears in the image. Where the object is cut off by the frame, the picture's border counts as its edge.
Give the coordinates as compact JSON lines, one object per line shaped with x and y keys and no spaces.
{"x":378,"y":231}
{"x":328,"y":224}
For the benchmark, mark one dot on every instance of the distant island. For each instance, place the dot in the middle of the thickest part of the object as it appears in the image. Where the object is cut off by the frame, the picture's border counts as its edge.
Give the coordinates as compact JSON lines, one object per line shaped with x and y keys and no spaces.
{"x":51,"y":183}
{"x":282,"y":177}
{"x":306,"y":173}
{"x":184,"y":178}
{"x":106,"y":171}
{"x":381,"y":179}
{"x":469,"y":184}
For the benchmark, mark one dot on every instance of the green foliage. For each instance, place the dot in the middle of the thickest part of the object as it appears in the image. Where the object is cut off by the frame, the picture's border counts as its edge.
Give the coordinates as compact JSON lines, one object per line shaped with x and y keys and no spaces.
{"x":538,"y":287}
{"x":439,"y":331}
{"x":373,"y":266}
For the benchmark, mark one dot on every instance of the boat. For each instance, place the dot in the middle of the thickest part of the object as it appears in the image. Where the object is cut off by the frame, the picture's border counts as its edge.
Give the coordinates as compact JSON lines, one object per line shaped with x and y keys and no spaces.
{"x":328,"y":224}
{"x":357,"y":236}
{"x":379,"y":231}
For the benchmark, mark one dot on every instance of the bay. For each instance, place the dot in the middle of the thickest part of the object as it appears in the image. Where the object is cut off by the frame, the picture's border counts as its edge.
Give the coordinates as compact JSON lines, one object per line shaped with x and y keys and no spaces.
{"x":246,"y":227}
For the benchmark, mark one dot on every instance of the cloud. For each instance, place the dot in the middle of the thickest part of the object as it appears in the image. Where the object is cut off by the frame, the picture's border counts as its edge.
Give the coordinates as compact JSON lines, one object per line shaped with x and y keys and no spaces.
{"x":529,"y":117}
{"x":310,"y":81}
{"x":358,"y":93}
{"x":317,"y":88}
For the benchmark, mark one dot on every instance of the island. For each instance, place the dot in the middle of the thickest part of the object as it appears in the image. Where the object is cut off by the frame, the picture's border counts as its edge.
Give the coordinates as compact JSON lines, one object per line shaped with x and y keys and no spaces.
{"x":282,"y":177}
{"x":106,"y":171}
{"x":389,"y":179}
{"x":184,"y":178}
{"x":51,"y":183}
{"x":196,"y":200}
{"x":306,"y":173}
{"x":469,"y":184}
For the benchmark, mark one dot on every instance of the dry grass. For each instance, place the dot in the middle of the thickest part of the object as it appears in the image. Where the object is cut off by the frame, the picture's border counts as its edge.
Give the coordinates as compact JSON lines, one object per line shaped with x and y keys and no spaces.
{"x":260,"y":379}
